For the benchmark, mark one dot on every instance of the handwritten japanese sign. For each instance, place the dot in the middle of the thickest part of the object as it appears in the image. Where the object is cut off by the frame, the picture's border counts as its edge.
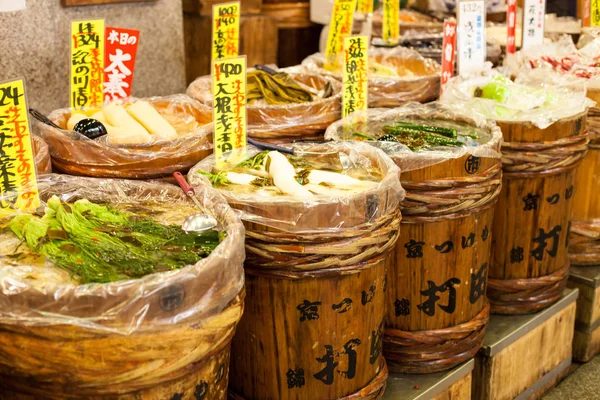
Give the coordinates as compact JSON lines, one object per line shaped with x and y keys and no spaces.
{"x":365,"y":6}
{"x":355,"y":74}
{"x":511,"y":25}
{"x":119,"y":62}
{"x":391,"y":21}
{"x":226,"y":30}
{"x":87,"y":63}
{"x":229,"y":107}
{"x":591,"y":13}
{"x":471,"y":36}
{"x":533,"y":23}
{"x":448,"y":46}
{"x":18,"y":182}
{"x":340,"y":26}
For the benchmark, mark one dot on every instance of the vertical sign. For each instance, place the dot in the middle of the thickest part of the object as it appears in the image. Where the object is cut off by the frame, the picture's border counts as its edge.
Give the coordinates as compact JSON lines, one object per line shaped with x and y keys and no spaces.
{"x":449,"y":47}
{"x":511,"y":26}
{"x":591,"y":13}
{"x":226,"y":30}
{"x":229,"y":108}
{"x":87,"y":63}
{"x":471,"y":36}
{"x":119,"y":62}
{"x":355,"y":96}
{"x":340,"y":26}
{"x":365,"y":6}
{"x":533,"y":23}
{"x":391,"y":21}
{"x":18,"y":182}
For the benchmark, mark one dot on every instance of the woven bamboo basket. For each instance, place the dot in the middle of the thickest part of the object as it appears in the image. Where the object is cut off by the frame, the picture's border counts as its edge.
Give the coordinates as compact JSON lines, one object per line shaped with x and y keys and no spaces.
{"x":422,"y":85}
{"x":315,"y":282}
{"x":43,"y":163}
{"x":584,"y":240}
{"x":530,"y":265}
{"x":164,"y":336}
{"x":445,"y":241}
{"x":77,"y":155}
{"x":284,"y":123}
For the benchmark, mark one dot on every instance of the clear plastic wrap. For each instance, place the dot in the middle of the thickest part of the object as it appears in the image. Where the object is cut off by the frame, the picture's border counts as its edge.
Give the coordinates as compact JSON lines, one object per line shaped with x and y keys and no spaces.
{"x":43,"y":163}
{"x":408,"y":160}
{"x":75,"y":154}
{"x":129,"y":306}
{"x":285,"y":122}
{"x":416,"y":78}
{"x":328,"y":215}
{"x":502,"y":100}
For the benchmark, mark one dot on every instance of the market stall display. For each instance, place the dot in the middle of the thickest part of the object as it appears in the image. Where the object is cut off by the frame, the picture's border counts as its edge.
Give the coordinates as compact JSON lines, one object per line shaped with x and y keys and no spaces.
{"x":396,"y":76}
{"x":545,"y":140}
{"x":144,"y":138}
{"x":284,"y":106}
{"x":41,"y":153}
{"x":98,"y":300}
{"x":320,"y":225}
{"x":437,"y":310}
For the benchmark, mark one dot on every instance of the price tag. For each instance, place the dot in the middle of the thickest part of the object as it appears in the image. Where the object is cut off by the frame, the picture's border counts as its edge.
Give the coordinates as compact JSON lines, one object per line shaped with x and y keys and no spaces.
{"x":87,"y":63}
{"x":591,"y":13}
{"x":119,"y":62}
{"x":18,"y":181}
{"x":354,"y":78}
{"x":229,"y":108}
{"x":533,"y":23}
{"x":391,"y":21}
{"x":471,"y":36}
{"x":340,"y":26}
{"x":511,"y":26}
{"x":365,"y":6}
{"x":226,"y":30}
{"x":448,"y":46}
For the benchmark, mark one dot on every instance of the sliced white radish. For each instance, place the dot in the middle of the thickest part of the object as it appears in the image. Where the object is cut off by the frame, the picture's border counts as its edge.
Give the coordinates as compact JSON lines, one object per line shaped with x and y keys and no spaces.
{"x":117,"y":116}
{"x":330,"y":191}
{"x":99,"y":116}
{"x":240,"y":179}
{"x":74,"y":119}
{"x":155,"y":124}
{"x":283,"y":174}
{"x":337,"y":180}
{"x":119,"y":135}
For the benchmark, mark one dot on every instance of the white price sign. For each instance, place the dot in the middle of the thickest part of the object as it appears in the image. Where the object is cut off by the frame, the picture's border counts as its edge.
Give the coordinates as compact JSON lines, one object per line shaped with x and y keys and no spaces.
{"x":470,"y":42}
{"x":533,"y":23}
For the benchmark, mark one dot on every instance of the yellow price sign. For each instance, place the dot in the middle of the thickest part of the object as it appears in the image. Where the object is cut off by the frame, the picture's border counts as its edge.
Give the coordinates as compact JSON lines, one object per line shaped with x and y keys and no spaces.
{"x":365,"y":6}
{"x":391,"y":21}
{"x":340,"y":26}
{"x":592,"y":13}
{"x":18,"y":180}
{"x":226,"y":30}
{"x":355,"y":76}
{"x":229,"y":108}
{"x":87,"y":63}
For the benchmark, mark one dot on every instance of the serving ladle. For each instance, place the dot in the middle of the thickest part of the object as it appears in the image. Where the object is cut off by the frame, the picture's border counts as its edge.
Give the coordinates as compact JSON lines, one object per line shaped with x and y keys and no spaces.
{"x":200,"y":222}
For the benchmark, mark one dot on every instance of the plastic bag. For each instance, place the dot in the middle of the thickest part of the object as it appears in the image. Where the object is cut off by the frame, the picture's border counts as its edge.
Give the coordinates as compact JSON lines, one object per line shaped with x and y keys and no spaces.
{"x":75,"y":154}
{"x":409,"y":160}
{"x":43,"y":163}
{"x":154,"y":302}
{"x":285,"y":122}
{"x":326,"y":214}
{"x":502,"y":100}
{"x":416,"y":78}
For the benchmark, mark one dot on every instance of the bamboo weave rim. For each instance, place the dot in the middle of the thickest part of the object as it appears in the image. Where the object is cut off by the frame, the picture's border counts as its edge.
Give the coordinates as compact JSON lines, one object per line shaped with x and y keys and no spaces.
{"x":283,"y":253}
{"x":526,"y":295}
{"x":437,"y":349}
{"x":373,"y":391}
{"x":118,"y":365}
{"x":545,"y":157}
{"x":584,"y":242}
{"x":593,"y":121}
{"x":448,"y":197}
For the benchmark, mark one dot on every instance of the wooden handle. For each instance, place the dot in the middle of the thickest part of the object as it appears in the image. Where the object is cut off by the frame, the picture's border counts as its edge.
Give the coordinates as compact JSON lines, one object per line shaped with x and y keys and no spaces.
{"x":183,"y":184}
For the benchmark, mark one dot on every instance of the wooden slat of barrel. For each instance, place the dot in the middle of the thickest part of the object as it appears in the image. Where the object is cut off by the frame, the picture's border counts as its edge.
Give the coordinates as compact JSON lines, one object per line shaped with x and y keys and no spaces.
{"x":529,"y":253}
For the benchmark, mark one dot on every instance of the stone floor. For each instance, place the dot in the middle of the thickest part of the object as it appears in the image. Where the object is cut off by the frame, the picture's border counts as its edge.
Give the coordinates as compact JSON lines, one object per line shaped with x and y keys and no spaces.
{"x":583,"y":383}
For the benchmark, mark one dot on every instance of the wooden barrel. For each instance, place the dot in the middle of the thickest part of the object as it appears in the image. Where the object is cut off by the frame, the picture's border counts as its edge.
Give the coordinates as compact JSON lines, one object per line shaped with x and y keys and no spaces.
{"x":584,"y":239}
{"x":530,"y":265}
{"x":315,"y":282}
{"x":43,"y":163}
{"x":437,"y":311}
{"x":164,"y":336}
{"x":96,"y":158}
{"x":285,"y":123}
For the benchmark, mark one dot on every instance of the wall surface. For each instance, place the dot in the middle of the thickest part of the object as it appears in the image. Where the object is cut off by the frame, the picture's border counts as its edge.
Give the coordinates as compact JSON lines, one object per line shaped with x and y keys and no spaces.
{"x":34,"y":45}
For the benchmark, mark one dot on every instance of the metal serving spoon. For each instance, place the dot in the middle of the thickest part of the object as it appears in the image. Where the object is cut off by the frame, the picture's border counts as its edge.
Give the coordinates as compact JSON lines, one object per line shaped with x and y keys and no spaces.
{"x":197,"y":222}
